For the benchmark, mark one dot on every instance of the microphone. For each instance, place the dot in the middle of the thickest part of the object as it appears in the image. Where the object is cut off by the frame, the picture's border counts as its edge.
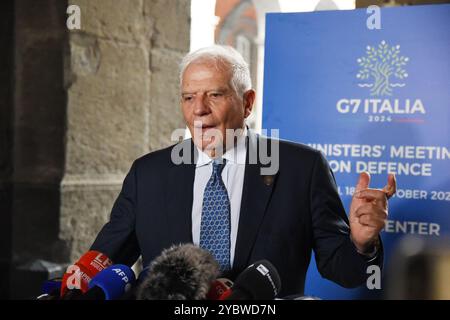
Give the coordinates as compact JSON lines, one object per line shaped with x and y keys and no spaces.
{"x":143,"y":275}
{"x":182,"y":272}
{"x":218,"y":288}
{"x":77,"y":277}
{"x":110,"y":284}
{"x":260,"y":281}
{"x":50,"y":289}
{"x":131,"y":294}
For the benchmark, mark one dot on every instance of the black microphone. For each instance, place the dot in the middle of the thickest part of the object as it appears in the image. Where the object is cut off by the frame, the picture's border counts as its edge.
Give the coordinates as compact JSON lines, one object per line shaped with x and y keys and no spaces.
{"x":51,"y":290}
{"x":260,"y":281}
{"x":182,"y":272}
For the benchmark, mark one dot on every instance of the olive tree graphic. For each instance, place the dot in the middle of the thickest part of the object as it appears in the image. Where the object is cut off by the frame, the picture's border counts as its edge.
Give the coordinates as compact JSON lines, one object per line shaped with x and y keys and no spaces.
{"x":380,"y":64}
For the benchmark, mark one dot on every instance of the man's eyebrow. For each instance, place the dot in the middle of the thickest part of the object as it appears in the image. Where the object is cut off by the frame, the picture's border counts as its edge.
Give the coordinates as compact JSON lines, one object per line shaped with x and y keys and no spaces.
{"x":219,"y":89}
{"x":222,"y":89}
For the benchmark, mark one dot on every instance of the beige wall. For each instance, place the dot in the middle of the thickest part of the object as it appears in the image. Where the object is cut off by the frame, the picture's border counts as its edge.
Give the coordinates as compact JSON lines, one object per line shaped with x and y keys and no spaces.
{"x":122,"y":102}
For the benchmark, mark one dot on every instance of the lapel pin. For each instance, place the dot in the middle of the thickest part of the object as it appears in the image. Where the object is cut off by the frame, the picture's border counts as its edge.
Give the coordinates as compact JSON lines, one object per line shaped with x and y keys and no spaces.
{"x":268,"y":180}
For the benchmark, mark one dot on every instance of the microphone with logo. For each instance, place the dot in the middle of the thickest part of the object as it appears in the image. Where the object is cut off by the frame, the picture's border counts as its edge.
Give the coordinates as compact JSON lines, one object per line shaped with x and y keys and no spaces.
{"x":110,"y":284}
{"x":260,"y":281}
{"x":182,"y":272}
{"x":50,"y":289}
{"x":77,"y":277}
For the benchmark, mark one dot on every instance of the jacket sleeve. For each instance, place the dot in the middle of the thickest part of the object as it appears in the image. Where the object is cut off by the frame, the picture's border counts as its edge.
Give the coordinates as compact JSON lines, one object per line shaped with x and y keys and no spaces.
{"x":336,"y":257}
{"x":117,"y":239}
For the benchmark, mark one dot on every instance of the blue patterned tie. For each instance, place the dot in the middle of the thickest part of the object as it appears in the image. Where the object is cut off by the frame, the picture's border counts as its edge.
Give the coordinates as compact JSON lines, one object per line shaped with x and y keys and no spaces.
{"x":215,"y":225}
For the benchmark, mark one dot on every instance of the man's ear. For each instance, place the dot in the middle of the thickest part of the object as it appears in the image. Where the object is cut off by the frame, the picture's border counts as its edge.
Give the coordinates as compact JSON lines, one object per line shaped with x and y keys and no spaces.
{"x":248,"y":101}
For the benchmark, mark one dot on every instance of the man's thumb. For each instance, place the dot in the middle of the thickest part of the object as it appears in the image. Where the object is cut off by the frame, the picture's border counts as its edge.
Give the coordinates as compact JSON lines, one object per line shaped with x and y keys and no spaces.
{"x":363,"y":181}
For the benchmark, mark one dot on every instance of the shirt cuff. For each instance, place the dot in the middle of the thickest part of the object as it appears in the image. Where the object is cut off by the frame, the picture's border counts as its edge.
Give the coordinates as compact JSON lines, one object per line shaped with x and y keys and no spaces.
{"x":371,"y":254}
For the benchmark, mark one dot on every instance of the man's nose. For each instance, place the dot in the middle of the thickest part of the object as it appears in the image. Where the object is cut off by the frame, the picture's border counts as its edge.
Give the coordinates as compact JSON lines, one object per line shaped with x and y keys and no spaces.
{"x":201,"y":105}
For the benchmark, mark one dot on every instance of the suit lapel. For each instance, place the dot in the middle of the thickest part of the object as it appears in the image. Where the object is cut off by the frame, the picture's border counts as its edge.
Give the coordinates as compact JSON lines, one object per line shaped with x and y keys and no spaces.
{"x":256,"y":193}
{"x":179,"y":197}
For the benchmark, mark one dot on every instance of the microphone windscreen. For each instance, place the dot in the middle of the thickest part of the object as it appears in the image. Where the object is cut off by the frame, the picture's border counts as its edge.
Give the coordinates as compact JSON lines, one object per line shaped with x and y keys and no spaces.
{"x":260,"y":281}
{"x":114,"y":281}
{"x":182,"y":272}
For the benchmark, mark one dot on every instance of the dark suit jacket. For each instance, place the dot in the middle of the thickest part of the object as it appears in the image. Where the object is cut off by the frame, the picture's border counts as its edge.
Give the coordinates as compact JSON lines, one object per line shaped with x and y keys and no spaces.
{"x":281,"y":218}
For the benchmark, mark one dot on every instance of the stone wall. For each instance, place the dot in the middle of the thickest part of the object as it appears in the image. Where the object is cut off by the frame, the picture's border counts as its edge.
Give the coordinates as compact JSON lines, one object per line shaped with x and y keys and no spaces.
{"x":122,"y":86}
{"x":80,"y":107}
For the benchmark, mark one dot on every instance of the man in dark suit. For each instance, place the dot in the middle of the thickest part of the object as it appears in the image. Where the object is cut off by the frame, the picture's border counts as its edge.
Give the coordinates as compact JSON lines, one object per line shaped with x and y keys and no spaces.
{"x":221,"y":198}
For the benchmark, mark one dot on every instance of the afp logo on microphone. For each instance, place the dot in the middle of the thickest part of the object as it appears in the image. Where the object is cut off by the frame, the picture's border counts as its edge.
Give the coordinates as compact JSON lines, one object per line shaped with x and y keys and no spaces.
{"x":121,"y":274}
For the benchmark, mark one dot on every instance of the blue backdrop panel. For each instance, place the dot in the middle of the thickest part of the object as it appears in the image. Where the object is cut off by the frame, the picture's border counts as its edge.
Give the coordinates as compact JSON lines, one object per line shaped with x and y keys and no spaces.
{"x":374,"y":100}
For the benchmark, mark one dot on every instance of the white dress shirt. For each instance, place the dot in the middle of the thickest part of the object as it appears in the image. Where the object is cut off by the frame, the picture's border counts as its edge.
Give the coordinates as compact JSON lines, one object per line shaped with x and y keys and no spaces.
{"x":233,"y":178}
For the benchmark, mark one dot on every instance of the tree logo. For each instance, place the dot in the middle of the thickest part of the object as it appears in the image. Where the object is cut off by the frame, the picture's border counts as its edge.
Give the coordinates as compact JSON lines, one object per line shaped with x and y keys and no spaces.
{"x":379,"y":66}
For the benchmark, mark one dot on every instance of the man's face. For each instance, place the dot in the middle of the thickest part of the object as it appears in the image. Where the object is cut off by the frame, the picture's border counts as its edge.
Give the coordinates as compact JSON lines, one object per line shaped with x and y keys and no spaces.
{"x":210,"y":105}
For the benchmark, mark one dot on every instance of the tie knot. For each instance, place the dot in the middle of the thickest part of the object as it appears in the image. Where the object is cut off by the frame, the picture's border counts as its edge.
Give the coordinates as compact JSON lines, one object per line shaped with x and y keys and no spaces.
{"x":218,"y":166}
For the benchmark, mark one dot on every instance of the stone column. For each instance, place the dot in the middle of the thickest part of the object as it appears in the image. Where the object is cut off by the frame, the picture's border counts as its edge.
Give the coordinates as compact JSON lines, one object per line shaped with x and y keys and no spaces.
{"x":122,"y":102}
{"x":38,"y":126}
{"x":171,"y":20}
{"x":6,"y":97}
{"x":84,"y":104}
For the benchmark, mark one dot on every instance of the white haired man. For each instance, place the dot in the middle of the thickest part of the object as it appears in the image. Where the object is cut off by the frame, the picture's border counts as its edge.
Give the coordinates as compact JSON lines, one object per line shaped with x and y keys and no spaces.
{"x":220,"y":201}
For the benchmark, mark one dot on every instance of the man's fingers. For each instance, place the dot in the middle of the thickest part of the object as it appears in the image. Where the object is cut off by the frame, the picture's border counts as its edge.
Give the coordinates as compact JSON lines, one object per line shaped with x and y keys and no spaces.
{"x":372,"y":194}
{"x":371,"y":221}
{"x":391,"y":186}
{"x":371,"y":209}
{"x":363,"y":181}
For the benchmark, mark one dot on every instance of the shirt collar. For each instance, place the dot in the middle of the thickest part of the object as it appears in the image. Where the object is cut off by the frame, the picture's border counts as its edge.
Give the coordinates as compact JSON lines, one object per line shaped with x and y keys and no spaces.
{"x":236,"y":155}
